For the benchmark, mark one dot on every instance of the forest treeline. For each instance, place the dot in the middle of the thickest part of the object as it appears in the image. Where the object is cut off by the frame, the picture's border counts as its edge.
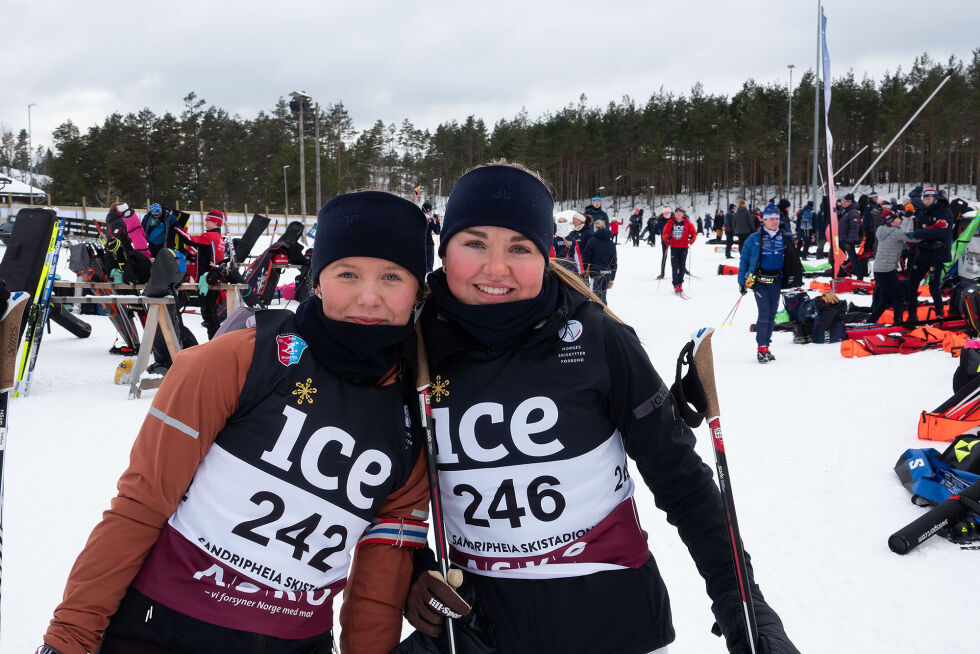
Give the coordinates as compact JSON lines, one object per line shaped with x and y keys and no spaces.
{"x":679,"y":145}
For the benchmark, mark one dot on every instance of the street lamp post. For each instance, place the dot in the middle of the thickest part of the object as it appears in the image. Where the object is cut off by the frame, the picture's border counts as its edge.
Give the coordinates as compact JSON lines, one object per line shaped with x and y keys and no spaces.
{"x":789,"y":127}
{"x":285,"y":188}
{"x":316,"y":122}
{"x":301,"y":99}
{"x":30,"y":154}
{"x":616,"y":196}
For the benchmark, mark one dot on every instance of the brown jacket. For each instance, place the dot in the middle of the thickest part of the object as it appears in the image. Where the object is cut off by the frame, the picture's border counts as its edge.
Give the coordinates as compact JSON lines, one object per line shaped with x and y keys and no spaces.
{"x":201,"y":392}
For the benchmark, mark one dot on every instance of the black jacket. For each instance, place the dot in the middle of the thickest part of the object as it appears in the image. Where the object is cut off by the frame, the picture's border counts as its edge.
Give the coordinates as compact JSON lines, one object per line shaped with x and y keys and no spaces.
{"x":596,"y":214}
{"x":595,"y":371}
{"x":934,"y":242}
{"x":600,"y":254}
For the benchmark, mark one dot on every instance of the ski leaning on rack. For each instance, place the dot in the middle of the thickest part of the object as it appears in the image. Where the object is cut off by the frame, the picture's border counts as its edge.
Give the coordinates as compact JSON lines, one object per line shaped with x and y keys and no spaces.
{"x":39,"y":316}
{"x":9,"y":340}
{"x":32,"y":310}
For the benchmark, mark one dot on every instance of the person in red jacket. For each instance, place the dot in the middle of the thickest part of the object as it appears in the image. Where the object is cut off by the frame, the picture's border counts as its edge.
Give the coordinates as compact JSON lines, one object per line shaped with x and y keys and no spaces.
{"x":679,"y":234}
{"x":210,"y":248}
{"x":614,"y":228}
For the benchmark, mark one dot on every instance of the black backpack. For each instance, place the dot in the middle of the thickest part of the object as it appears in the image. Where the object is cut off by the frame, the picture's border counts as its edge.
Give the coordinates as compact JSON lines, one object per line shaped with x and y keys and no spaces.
{"x":967,"y":294}
{"x":168,"y":271}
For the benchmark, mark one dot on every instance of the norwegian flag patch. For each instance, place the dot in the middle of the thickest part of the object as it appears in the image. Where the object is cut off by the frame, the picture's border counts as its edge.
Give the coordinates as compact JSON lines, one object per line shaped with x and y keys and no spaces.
{"x":291,"y":348}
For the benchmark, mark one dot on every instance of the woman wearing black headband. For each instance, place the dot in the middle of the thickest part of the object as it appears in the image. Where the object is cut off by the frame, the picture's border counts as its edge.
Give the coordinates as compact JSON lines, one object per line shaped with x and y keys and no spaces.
{"x":267,"y":455}
{"x":542,"y":397}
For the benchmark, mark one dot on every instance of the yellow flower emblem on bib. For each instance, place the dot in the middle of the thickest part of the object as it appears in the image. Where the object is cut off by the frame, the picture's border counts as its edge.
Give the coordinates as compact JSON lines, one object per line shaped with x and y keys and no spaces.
{"x":305,"y":391}
{"x":440,"y":388}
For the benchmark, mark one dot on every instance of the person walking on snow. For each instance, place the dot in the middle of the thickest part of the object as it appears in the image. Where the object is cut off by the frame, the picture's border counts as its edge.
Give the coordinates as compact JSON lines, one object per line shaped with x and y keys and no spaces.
{"x":635,"y":226}
{"x":600,"y":261}
{"x":679,"y":234}
{"x":761,"y":269}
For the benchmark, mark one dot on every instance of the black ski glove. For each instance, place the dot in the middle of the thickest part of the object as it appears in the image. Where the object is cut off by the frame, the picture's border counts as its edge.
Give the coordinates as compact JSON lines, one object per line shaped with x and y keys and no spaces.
{"x":729,"y":615}
{"x":431,"y":600}
{"x":742,"y":289}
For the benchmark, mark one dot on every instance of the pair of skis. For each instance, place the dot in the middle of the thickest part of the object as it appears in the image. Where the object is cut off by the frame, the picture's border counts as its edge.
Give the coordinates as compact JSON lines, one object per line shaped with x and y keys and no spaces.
{"x":39,"y":311}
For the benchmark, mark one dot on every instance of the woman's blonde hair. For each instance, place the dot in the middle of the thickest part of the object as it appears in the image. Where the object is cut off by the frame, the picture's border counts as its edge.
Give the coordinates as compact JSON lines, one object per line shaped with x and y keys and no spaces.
{"x":574,"y":282}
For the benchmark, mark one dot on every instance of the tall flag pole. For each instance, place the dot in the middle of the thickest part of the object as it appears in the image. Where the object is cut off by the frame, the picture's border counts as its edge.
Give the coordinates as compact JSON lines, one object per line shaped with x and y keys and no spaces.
{"x":831,"y":192}
{"x":816,"y":118}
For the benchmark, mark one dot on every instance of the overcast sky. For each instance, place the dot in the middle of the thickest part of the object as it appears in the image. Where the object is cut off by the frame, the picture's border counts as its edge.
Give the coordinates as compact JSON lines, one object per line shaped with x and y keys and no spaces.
{"x":435,"y":61}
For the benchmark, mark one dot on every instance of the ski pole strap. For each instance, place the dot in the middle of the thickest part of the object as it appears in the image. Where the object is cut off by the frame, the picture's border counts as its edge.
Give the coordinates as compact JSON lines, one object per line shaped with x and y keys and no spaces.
{"x":687,"y":390}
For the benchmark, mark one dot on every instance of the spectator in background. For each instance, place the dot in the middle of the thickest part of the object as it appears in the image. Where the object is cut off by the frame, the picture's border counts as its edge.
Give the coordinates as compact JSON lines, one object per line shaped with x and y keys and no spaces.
{"x":157,"y":223}
{"x":431,"y":227}
{"x":635,"y":227}
{"x":784,"y":207}
{"x":850,"y":229}
{"x":210,"y":248}
{"x":743,"y":224}
{"x":582,"y":229}
{"x":594,"y":212}
{"x":614,"y":225}
{"x":600,"y":260}
{"x":888,"y":292}
{"x":718,"y":225}
{"x":934,"y":235}
{"x":804,"y":229}
{"x":761,"y":269}
{"x":564,"y":249}
{"x":679,"y":235}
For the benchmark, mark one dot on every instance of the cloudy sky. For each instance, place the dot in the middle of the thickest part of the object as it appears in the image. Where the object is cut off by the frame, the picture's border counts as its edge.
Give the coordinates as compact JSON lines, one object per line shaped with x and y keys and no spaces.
{"x":434,"y":61}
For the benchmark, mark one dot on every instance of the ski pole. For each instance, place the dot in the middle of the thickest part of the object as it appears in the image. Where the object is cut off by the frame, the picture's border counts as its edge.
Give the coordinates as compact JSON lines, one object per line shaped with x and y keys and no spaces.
{"x":425,"y":405}
{"x":704,"y":364}
{"x":731,"y":313}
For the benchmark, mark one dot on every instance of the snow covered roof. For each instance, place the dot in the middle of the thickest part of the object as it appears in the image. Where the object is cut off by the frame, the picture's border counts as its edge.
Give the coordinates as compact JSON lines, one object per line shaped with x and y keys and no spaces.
{"x":11,"y":186}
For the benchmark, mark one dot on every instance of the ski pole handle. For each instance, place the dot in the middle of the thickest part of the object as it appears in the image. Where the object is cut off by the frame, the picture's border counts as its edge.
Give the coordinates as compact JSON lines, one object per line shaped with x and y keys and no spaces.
{"x":942,"y":515}
{"x":705,"y":366}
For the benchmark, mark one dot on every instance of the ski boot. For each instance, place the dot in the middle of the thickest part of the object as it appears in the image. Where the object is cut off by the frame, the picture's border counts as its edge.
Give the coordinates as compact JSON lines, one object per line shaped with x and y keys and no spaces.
{"x":762,"y":355}
{"x":769,"y":355}
{"x":678,"y":289}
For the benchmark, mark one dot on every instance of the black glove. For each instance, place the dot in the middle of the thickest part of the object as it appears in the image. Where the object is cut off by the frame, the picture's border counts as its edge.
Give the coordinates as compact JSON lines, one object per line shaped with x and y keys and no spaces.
{"x":742,"y":289}
{"x":772,"y":637}
{"x":431,"y":600}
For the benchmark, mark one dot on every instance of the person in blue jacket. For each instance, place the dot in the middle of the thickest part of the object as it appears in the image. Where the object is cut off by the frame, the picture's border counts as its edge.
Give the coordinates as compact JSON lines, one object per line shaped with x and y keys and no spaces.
{"x":157,"y":224}
{"x":761,"y":269}
{"x":599,"y":259}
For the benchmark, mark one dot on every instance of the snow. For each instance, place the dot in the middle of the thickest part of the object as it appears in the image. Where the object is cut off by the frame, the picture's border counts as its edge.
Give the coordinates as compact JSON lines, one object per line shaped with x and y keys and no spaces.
{"x":811,"y":440}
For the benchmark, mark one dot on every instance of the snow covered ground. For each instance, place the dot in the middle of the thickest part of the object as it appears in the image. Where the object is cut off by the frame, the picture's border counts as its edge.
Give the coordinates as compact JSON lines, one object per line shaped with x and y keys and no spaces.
{"x":811,"y":439}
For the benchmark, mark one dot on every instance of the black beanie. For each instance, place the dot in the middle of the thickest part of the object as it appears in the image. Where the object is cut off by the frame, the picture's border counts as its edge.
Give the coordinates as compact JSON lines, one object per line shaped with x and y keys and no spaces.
{"x":501,"y":196}
{"x":370,"y":224}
